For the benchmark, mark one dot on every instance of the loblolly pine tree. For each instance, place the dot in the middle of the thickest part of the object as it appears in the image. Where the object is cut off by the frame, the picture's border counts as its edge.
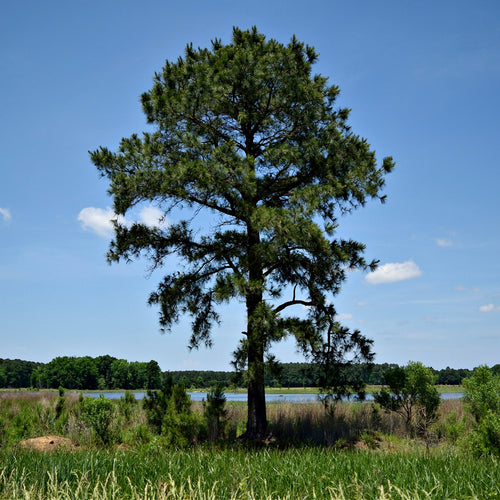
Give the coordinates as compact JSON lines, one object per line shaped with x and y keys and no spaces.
{"x":246,"y":133}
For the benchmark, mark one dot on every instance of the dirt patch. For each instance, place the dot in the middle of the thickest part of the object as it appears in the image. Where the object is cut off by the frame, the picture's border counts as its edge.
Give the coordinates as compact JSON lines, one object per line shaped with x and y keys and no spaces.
{"x":48,"y":443}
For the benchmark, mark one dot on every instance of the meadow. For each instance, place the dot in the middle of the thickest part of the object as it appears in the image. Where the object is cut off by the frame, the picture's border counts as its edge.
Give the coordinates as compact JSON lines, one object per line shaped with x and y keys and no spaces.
{"x":352,"y":451}
{"x":151,"y":472}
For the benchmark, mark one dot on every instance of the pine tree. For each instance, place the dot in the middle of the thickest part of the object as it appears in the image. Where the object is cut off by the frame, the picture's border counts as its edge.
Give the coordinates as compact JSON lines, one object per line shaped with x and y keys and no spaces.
{"x":246,"y":133}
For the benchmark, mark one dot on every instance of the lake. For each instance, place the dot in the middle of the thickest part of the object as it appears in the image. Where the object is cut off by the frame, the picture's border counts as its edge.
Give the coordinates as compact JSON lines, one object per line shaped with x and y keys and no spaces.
{"x":237,"y":396}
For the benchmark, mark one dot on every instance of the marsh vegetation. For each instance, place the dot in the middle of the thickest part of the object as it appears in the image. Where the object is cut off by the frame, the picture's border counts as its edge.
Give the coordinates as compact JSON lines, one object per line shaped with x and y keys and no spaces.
{"x":169,"y":447}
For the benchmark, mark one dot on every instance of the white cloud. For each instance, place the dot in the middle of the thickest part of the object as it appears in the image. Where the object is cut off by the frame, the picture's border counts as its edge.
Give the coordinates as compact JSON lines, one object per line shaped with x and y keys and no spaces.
{"x":392,"y":272}
{"x":444,"y":242}
{"x":489,"y":308}
{"x":152,"y":217}
{"x":98,"y":220}
{"x":6,"y":215}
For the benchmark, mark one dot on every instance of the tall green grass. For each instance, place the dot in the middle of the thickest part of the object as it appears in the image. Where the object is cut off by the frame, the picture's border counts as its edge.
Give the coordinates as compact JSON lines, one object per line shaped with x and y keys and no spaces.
{"x":210,"y":473}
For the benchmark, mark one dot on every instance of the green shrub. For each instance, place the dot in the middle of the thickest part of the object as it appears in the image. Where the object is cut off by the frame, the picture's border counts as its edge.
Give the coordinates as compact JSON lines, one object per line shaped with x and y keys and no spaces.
{"x":412,"y":395}
{"x":126,"y":404}
{"x":137,"y":435}
{"x":59,"y":406}
{"x":180,"y":399}
{"x":452,"y":427}
{"x":180,"y":426}
{"x":168,"y":412}
{"x":482,"y":394}
{"x":181,"y":430}
{"x":22,"y":424}
{"x":98,"y":413}
{"x":485,"y":439}
{"x":142,"y":434}
{"x":215,"y":413}
{"x":156,"y":404}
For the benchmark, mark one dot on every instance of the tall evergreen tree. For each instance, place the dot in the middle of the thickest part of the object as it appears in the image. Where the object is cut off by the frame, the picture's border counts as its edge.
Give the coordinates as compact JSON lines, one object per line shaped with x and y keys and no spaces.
{"x":247,"y":133}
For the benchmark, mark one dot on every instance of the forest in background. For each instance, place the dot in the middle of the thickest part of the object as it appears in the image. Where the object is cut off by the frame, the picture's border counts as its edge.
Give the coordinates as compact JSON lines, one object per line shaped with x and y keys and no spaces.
{"x":108,"y":372}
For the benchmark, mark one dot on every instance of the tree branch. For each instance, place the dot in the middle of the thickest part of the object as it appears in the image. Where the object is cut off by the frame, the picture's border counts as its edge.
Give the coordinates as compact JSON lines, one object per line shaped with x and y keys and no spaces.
{"x":294,"y":303}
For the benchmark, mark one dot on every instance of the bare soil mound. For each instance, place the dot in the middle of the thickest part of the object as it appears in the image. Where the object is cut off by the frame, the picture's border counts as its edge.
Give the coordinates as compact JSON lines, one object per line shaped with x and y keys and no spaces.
{"x":48,"y":443}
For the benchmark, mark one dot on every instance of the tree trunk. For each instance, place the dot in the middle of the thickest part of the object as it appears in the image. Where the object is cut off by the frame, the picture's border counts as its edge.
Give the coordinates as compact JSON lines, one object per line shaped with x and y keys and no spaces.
{"x":257,"y":419}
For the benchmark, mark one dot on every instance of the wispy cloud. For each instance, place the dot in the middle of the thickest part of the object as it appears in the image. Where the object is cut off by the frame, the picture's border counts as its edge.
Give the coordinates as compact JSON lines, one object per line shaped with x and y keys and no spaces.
{"x":392,"y":272}
{"x":100,"y":221}
{"x":461,"y":288}
{"x":6,"y":215}
{"x":444,"y":242}
{"x":343,"y":316}
{"x":152,"y":217}
{"x":489,"y":308}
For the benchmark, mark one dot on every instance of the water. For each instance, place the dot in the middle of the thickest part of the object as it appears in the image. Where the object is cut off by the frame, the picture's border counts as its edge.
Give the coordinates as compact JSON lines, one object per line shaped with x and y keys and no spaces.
{"x":237,"y":396}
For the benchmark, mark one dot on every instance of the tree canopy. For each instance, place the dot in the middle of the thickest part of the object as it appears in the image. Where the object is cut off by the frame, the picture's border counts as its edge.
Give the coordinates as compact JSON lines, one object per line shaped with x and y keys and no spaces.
{"x":246,"y":133}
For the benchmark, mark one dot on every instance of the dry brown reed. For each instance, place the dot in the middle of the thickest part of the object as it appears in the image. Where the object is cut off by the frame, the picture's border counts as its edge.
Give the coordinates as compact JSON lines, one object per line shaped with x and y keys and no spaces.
{"x":312,"y":423}
{"x":25,"y":395}
{"x":316,"y":424}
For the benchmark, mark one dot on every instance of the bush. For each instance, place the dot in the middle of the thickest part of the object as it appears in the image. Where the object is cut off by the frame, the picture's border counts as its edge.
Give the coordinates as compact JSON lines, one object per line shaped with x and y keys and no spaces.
{"x":452,"y":427}
{"x":180,"y":427}
{"x":181,"y":430}
{"x":482,"y":394}
{"x":98,"y":413}
{"x":413,"y":395}
{"x":180,"y":400}
{"x":156,"y":404}
{"x":126,"y":404}
{"x":215,"y":413}
{"x":169,"y":413}
{"x":485,"y":439}
{"x":22,"y":424}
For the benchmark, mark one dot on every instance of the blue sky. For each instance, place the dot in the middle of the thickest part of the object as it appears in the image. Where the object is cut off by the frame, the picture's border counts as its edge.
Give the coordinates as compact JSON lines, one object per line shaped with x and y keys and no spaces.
{"x":422,"y":80}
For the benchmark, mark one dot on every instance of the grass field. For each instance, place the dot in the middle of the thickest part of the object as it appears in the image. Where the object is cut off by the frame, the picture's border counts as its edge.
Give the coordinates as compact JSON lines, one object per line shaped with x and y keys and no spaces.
{"x":150,"y":472}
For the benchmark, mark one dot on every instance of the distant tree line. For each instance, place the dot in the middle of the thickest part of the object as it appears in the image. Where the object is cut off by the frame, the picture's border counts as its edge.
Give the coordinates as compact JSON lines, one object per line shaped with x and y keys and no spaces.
{"x":307,"y":375}
{"x":108,"y":372}
{"x":203,"y":379}
{"x":16,"y":373}
{"x":103,"y":372}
